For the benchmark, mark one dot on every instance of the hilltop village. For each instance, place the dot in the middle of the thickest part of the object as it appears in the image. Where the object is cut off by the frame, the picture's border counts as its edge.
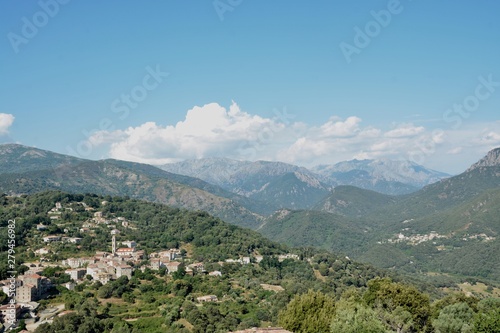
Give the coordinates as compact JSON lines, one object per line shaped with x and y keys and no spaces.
{"x":123,"y":257}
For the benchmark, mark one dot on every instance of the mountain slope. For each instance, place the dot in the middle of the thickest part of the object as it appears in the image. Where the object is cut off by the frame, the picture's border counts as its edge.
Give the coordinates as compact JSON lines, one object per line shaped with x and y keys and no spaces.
{"x":446,"y":194}
{"x":463,"y":239}
{"x":317,"y":229}
{"x":50,"y":171}
{"x":18,"y":158}
{"x":260,"y":207}
{"x":353,"y":201}
{"x":217,"y":171}
{"x":491,"y":159}
{"x":292,"y":190}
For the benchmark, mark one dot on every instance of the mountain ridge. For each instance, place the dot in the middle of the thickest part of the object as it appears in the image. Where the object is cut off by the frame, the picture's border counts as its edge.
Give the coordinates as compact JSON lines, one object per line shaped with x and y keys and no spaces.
{"x":262,"y":180}
{"x":114,"y":177}
{"x":393,"y":177}
{"x":492,"y":158}
{"x":251,"y":178}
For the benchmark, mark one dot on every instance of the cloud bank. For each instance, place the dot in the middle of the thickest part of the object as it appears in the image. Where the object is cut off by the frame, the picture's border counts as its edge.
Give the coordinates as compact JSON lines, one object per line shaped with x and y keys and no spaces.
{"x":214,"y":131}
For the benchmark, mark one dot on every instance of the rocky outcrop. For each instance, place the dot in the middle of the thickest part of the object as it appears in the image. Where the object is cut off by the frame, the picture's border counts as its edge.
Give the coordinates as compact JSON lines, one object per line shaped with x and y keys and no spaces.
{"x":491,"y":159}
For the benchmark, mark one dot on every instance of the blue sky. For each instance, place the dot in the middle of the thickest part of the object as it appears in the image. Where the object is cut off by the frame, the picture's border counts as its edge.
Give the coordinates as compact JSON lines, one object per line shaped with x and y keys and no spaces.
{"x":236,"y":66}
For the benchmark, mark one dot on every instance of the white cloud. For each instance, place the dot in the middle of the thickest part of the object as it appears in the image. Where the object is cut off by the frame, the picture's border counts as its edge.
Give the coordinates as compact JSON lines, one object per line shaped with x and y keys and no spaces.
{"x":335,"y":127}
{"x":490,"y":138}
{"x":212,"y":130}
{"x":405,"y":130}
{"x":6,"y":120}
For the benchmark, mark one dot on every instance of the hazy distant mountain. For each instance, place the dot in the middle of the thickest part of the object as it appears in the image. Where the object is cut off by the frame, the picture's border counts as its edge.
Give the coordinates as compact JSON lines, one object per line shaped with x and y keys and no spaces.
{"x":281,"y":184}
{"x":290,"y":186}
{"x":384,"y":176}
{"x":217,"y":171}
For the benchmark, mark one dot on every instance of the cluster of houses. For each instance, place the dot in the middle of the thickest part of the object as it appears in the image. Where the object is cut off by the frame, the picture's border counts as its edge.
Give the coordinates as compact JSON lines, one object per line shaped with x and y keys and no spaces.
{"x":158,"y":260}
{"x":258,"y":258}
{"x":432,"y":236}
{"x":105,"y":266}
{"x":102,"y":267}
{"x":55,"y":214}
{"x":54,"y":238}
{"x":415,"y":239}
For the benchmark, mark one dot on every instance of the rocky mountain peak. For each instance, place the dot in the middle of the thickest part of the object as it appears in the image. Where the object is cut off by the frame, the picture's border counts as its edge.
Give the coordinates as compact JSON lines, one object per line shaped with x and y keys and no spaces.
{"x":491,"y":159}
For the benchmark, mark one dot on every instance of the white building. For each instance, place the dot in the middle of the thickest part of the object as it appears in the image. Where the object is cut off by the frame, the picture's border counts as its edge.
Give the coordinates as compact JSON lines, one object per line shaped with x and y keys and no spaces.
{"x":129,"y":244}
{"x":76,"y":273}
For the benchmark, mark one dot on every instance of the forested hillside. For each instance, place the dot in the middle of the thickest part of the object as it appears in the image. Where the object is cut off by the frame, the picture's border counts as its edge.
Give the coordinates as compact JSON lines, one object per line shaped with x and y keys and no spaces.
{"x":261,"y":293}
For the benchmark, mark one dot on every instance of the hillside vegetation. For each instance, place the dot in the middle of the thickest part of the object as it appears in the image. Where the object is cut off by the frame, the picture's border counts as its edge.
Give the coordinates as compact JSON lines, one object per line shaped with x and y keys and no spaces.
{"x":445,"y":231}
{"x":449,"y":227}
{"x":312,"y":290}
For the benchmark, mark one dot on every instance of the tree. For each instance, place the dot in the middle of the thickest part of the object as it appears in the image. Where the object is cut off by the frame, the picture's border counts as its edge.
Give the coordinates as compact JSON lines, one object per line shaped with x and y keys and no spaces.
{"x":129,"y":298}
{"x":88,"y":308}
{"x":488,"y":318}
{"x":308,"y":313}
{"x":489,"y":304}
{"x":399,"y":320}
{"x":488,"y":322}
{"x":105,"y":291}
{"x":352,"y":317}
{"x":455,"y":318}
{"x":390,"y":295}
{"x":90,"y":325}
{"x":180,"y":273}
